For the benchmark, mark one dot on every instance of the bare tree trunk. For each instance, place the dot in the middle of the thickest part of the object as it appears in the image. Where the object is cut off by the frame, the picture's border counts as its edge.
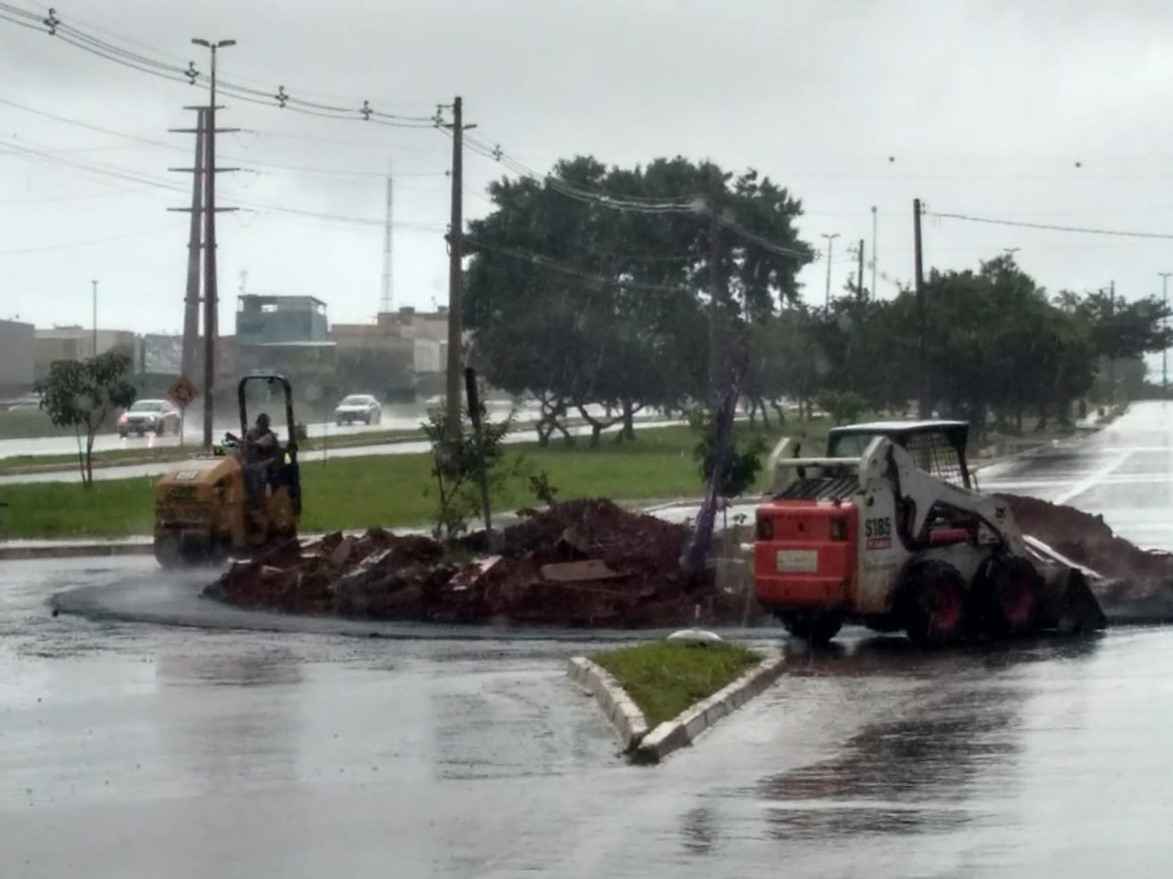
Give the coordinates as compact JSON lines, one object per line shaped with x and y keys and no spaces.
{"x":629,"y":412}
{"x":765,"y":415}
{"x":90,"y":456}
{"x":81,"y":458}
{"x":597,"y":426}
{"x":697,"y":552}
{"x":779,"y":411}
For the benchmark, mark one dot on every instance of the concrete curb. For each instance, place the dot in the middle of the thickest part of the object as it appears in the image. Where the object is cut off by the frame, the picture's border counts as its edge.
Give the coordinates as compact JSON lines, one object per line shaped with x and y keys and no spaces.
{"x":629,"y":722}
{"x":74,"y":550}
{"x":685,"y":727}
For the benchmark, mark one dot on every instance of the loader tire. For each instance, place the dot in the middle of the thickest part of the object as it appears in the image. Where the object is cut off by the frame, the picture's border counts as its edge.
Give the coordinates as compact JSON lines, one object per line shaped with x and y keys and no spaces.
{"x":1012,"y":592}
{"x":933,"y":603}
{"x":817,"y":628}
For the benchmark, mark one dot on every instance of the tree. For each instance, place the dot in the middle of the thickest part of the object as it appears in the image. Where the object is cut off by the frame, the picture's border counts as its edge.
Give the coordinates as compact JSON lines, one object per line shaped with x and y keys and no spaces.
{"x":182,"y":393}
{"x":458,"y":464}
{"x":601,"y":312}
{"x":82,"y":394}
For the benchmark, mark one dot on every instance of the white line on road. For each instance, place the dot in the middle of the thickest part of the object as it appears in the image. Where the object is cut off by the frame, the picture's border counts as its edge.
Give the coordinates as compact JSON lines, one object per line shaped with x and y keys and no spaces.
{"x":1092,"y":480}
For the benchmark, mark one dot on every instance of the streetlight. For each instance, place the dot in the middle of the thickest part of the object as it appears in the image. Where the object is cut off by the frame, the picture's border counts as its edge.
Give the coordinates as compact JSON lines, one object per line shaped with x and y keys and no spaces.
{"x":1010,"y":251}
{"x":211,"y":304}
{"x":830,"y":244}
{"x":94,"y":285}
{"x":1164,"y":322}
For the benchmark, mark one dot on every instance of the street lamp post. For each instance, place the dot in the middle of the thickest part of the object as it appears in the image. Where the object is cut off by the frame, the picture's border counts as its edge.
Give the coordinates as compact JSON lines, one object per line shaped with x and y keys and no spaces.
{"x":211,"y":305}
{"x":94,"y":287}
{"x":830,"y":244}
{"x":1164,"y":351}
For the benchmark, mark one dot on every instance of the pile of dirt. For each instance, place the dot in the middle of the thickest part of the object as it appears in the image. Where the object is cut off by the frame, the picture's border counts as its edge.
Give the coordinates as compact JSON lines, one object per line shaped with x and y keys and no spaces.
{"x":1133,"y":574}
{"x":579,"y":563}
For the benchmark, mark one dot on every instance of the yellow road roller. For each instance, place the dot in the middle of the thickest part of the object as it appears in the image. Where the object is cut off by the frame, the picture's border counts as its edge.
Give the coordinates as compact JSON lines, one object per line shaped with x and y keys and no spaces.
{"x":241,"y":499}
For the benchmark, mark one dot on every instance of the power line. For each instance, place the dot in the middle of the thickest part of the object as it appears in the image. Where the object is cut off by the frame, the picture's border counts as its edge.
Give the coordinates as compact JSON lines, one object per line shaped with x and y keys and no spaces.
{"x":347,"y":172}
{"x":548,"y":263}
{"x":1022,"y":224}
{"x":695,"y":205}
{"x":280,"y":97}
{"x":155,"y":231}
{"x":120,"y":174}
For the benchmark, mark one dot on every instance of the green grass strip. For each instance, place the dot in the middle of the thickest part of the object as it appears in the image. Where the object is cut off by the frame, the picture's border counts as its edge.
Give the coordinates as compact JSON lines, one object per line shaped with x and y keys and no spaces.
{"x":666,"y":677}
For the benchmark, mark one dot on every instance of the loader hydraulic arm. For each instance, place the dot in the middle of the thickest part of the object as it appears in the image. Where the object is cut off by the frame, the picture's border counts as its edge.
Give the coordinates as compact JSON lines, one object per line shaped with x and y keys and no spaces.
{"x":887,"y":466}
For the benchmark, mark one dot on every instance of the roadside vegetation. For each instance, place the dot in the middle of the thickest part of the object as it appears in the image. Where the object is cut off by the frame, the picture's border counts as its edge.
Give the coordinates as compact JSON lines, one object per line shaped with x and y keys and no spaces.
{"x":395,"y":490}
{"x":665,"y":677}
{"x":400,"y":490}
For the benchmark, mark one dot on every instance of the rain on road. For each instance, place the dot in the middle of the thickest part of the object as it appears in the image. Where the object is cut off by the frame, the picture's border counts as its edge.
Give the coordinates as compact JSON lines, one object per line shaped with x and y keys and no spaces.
{"x":138,"y":749}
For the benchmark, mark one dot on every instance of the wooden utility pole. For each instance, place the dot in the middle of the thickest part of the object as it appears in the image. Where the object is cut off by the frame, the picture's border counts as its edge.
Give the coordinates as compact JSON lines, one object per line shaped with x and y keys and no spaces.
{"x":859,"y":283}
{"x":455,"y":274}
{"x":922,"y":327}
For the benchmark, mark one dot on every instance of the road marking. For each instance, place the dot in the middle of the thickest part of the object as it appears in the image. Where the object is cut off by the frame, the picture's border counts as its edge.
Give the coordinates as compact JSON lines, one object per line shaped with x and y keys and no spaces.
{"x":1092,"y":480}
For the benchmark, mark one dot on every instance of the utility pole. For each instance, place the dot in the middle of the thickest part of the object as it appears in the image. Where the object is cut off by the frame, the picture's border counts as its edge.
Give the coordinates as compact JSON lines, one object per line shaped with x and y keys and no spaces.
{"x":191,"y":299}
{"x":830,"y":244}
{"x":922,"y":327}
{"x":211,"y":299}
{"x":455,"y":271}
{"x":94,"y":286}
{"x":1164,"y":351}
{"x":859,"y":283}
{"x":714,"y":314}
{"x":1111,"y":354}
{"x":385,"y":295}
{"x":874,"y":252}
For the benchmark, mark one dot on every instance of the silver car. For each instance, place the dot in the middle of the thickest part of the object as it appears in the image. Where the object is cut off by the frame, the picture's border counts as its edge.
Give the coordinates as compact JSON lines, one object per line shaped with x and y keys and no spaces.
{"x":358,"y":407}
{"x":154,"y":416}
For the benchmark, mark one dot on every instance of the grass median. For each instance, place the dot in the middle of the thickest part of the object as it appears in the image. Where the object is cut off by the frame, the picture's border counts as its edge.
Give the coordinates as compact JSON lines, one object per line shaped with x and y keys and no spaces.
{"x":666,"y":677}
{"x":389,"y":490}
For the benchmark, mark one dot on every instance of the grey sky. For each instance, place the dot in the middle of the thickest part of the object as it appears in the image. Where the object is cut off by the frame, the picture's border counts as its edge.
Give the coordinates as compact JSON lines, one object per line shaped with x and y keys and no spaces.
{"x":985,"y":108}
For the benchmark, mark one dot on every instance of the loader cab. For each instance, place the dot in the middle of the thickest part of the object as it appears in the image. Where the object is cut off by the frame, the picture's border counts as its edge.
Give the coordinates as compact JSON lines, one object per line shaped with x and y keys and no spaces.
{"x":938,"y":447}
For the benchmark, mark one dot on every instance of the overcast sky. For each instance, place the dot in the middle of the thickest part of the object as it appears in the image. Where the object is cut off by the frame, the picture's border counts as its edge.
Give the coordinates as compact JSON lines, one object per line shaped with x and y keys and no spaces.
{"x":981,"y":108}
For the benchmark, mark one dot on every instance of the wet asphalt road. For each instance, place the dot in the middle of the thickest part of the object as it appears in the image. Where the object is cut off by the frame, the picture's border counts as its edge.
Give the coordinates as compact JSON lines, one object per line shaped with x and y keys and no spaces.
{"x":138,"y":749}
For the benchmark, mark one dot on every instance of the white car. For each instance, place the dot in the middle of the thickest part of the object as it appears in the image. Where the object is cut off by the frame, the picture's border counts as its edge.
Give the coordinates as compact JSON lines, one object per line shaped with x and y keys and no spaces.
{"x":156,"y":416}
{"x":358,"y":407}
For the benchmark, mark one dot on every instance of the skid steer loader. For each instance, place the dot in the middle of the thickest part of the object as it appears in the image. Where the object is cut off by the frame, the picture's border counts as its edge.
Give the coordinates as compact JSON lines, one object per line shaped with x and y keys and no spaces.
{"x":888,"y":530}
{"x":203,"y":510}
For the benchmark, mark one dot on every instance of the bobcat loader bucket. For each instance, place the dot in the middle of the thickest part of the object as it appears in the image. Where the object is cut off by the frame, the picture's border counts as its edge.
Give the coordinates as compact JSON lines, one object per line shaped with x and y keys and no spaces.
{"x":1067,"y":603}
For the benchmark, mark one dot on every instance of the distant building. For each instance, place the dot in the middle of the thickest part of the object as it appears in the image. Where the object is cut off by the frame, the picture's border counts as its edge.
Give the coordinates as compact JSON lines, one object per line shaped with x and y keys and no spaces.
{"x":16,"y":356}
{"x":76,"y":343}
{"x":161,"y":354}
{"x":263,"y":320}
{"x":411,"y":324}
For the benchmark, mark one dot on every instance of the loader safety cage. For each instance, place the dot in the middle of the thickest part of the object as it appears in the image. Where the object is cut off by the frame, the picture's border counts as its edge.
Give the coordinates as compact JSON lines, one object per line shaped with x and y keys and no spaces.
{"x":937,"y":447}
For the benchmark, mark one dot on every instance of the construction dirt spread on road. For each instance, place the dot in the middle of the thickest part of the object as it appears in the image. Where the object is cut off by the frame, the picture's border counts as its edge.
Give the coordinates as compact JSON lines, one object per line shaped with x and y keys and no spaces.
{"x":1139,"y":582}
{"x":580,"y":563}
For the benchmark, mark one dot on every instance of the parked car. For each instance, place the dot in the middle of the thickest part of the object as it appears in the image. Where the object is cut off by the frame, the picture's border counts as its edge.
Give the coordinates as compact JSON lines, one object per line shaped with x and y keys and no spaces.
{"x":156,"y":416}
{"x":358,"y":407}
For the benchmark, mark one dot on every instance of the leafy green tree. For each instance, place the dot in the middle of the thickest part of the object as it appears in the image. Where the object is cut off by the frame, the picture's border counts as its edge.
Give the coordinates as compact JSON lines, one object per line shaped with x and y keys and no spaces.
{"x":590,"y":309}
{"x":82,"y":394}
{"x":741,"y":465}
